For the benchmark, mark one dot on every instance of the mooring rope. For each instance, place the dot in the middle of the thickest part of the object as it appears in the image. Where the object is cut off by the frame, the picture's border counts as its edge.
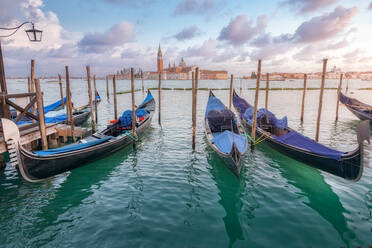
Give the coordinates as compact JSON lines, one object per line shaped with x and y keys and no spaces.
{"x":259,"y":140}
{"x":130,"y":136}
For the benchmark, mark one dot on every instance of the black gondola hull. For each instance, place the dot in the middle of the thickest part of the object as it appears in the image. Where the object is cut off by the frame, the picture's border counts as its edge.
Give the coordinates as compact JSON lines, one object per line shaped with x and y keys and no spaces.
{"x":349,"y":167}
{"x":362,"y":116}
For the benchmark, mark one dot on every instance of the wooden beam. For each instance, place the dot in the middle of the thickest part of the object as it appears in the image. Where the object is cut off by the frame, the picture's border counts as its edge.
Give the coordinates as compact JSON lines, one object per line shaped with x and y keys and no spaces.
{"x":40,"y":107}
{"x":253,"y":133}
{"x":25,"y":110}
{"x":195,"y":85}
{"x":321,"y":99}
{"x":20,"y":109}
{"x":134,"y":134}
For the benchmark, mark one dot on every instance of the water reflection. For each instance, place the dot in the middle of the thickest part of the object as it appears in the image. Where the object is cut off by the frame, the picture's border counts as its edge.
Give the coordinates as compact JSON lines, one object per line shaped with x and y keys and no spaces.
{"x":78,"y":186}
{"x":320,"y":196}
{"x":136,"y":185}
{"x":230,"y":191}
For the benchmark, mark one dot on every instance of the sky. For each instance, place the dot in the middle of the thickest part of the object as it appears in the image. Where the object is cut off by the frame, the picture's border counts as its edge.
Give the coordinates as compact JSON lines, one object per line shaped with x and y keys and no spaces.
{"x":108,"y":35}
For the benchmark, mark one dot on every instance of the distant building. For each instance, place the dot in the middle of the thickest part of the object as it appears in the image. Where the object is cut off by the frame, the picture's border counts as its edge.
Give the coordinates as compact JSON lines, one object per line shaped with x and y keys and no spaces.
{"x":160,"y":60}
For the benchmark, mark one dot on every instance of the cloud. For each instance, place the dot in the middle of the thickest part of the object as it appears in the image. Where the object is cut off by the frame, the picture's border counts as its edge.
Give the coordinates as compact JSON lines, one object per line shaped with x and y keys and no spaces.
{"x":306,"y":6}
{"x":207,"y":49}
{"x":117,"y":35}
{"x":187,"y":33}
{"x":325,"y":26}
{"x":185,"y":7}
{"x":370,"y":6}
{"x":132,"y":3}
{"x":240,"y":30}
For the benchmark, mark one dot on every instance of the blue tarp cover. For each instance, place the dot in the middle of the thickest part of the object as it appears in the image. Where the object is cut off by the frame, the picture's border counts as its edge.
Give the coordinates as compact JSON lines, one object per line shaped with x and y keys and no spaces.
{"x":74,"y":147}
{"x":240,"y":104}
{"x":53,"y":106}
{"x":215,"y":104}
{"x":126,"y":118}
{"x":55,"y":119}
{"x":263,"y":114}
{"x":296,"y":139}
{"x":224,"y":141}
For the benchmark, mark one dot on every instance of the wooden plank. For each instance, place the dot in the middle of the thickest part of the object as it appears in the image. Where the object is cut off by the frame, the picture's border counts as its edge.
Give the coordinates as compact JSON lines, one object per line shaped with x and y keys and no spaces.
{"x":20,"y":116}
{"x":12,"y":104}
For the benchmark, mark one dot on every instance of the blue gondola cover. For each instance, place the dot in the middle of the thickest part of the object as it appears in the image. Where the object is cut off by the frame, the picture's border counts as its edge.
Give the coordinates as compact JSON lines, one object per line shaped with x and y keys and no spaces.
{"x":71,"y":148}
{"x":224,"y":141}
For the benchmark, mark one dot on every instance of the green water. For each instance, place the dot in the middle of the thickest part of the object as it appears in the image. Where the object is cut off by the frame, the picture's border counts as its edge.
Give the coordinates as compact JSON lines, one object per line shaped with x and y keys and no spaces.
{"x":164,"y":194}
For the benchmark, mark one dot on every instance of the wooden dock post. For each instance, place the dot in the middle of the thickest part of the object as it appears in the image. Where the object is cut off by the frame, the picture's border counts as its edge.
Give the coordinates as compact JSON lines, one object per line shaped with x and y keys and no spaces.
{"x":338,"y":95}
{"x":95,"y":98}
{"x":267,"y":91}
{"x":303,"y":98}
{"x":253,"y":133}
{"x":91,"y":100}
{"x":321,"y":100}
{"x":159,"y":96}
{"x":347,"y":86}
{"x":134,"y":134}
{"x":115,"y":99}
{"x":32,"y":79}
{"x":231,"y":89}
{"x":40,"y":110}
{"x":61,"y":89}
{"x":70,"y":118}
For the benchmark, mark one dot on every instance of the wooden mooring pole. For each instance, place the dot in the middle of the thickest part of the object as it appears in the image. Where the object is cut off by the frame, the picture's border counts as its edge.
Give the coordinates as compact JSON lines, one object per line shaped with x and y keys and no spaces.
{"x":267,"y":91}
{"x":95,"y":98}
{"x":159,"y":96}
{"x":143,"y":83}
{"x":253,"y":133}
{"x":70,"y":118}
{"x":107,"y":88}
{"x":33,"y":84}
{"x":241,"y":86}
{"x":40,"y":110}
{"x":194,"y":104}
{"x":193,"y":108}
{"x":230,"y":92}
{"x":115,"y":99}
{"x":303,"y":98}
{"x":134,"y":134}
{"x":338,"y":95}
{"x":61,"y":89}
{"x":92,"y":117}
{"x":321,"y":100}
{"x":4,"y":108}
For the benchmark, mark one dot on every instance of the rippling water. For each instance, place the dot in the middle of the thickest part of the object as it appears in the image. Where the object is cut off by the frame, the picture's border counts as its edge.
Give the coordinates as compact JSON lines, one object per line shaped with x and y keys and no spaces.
{"x":165,"y":195}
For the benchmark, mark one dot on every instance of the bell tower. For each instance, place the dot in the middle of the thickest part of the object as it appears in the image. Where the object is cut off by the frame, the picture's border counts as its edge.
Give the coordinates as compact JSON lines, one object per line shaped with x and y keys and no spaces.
{"x":160,"y":60}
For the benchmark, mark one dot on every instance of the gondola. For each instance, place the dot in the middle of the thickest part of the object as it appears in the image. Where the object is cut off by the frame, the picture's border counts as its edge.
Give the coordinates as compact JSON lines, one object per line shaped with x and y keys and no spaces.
{"x":275,"y":133}
{"x":51,"y":107}
{"x":39,"y":165}
{"x":225,"y":134}
{"x":361,"y":110}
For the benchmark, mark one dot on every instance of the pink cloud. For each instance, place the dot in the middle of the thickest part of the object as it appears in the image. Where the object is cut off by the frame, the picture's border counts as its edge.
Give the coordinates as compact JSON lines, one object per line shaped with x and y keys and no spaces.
{"x":240,"y":29}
